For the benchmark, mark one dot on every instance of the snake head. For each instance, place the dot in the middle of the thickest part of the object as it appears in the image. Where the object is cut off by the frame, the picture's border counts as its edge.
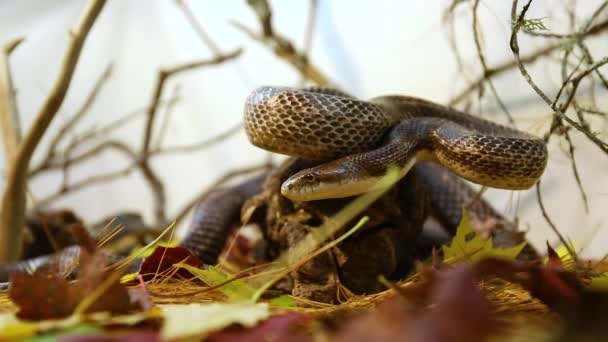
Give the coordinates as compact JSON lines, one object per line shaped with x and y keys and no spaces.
{"x":336,"y":179}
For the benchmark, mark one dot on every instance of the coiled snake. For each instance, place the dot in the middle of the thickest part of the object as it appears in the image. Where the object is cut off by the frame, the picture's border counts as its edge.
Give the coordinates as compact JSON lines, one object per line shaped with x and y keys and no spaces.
{"x":327,"y":124}
{"x":360,"y":140}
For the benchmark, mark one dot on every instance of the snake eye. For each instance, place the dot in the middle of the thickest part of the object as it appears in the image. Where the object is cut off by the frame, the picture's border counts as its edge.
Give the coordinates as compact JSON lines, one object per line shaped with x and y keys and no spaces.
{"x":310,"y":177}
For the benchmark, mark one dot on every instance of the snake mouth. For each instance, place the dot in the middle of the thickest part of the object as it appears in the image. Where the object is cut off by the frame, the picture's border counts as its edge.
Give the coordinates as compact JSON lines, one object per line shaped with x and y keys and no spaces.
{"x":294,"y":190}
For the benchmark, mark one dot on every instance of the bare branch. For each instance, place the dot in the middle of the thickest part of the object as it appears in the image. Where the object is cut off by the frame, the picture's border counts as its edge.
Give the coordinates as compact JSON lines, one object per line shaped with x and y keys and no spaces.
{"x":515,"y":48}
{"x":80,"y":113}
{"x":482,"y":60}
{"x":9,"y":117}
{"x":310,"y":26}
{"x":281,"y":46}
{"x":199,"y":145}
{"x":550,"y":222}
{"x":167,"y":117}
{"x":13,"y":201}
{"x":166,"y":74}
{"x":77,"y":186}
{"x":577,"y":176}
{"x":198,"y":28}
{"x":163,"y":76}
{"x":507,"y":66}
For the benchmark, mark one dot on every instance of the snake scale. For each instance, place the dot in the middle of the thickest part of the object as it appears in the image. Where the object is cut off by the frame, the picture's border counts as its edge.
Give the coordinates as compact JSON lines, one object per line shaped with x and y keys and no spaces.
{"x":360,"y":140}
{"x":368,"y":137}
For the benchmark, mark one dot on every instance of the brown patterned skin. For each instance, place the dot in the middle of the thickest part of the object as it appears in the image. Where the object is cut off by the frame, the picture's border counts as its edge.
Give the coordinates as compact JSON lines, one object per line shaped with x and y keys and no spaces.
{"x":369,"y":136}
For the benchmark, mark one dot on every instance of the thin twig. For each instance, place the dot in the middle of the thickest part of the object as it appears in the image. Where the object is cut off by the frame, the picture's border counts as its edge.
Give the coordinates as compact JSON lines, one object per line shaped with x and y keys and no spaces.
{"x":208,"y":41}
{"x":281,"y":46}
{"x":198,"y":28}
{"x":577,"y":176}
{"x":165,"y":74}
{"x":199,"y":145}
{"x":558,"y":123}
{"x":531,"y":58}
{"x":80,"y":113}
{"x":482,"y":60}
{"x":309,"y":32}
{"x":166,"y":118}
{"x":9,"y":116}
{"x":76,"y":186}
{"x":13,"y":201}
{"x":550,"y":222}
{"x":515,"y":48}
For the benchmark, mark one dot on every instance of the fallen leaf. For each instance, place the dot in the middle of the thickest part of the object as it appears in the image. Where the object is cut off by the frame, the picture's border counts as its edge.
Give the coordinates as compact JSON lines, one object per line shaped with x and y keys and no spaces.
{"x":389,"y":321}
{"x":459,"y":310}
{"x":198,"y":320}
{"x":236,"y":290}
{"x":41,"y":295}
{"x":44,"y":295}
{"x":161,"y":261}
{"x":449,"y":307}
{"x":288,"y":327}
{"x":468,"y":244}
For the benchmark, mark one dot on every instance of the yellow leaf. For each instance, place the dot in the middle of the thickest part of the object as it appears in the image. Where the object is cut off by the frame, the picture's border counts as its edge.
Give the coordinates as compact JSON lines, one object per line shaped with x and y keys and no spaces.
{"x":599,"y":282}
{"x":467,"y":244}
{"x":191,"y":321}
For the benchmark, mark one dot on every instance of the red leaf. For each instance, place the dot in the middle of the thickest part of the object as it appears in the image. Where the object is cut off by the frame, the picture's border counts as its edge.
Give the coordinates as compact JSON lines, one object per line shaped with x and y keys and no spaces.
{"x":41,"y":295}
{"x":459,"y":310}
{"x":44,"y":295}
{"x":161,"y":261}
{"x":446,"y":306}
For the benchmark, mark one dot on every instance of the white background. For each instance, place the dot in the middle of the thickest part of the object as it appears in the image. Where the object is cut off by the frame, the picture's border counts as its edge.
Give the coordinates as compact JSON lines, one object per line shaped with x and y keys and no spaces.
{"x":369,"y":48}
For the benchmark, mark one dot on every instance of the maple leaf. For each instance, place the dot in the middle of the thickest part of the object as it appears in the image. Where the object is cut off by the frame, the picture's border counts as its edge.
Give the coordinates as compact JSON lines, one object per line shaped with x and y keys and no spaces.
{"x":467,"y":244}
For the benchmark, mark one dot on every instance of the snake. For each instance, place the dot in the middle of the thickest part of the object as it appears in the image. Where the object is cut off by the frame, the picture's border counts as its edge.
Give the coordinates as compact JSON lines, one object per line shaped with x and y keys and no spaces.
{"x":361,"y":140}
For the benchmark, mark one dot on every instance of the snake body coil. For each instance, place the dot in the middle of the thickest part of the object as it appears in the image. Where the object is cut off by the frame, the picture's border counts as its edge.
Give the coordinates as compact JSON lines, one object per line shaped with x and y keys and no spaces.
{"x":370,"y":136}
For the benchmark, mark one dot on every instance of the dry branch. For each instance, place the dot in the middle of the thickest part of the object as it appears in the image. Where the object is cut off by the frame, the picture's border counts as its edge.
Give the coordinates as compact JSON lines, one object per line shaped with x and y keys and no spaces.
{"x":560,"y":111}
{"x":482,"y":60}
{"x":199,"y":145}
{"x":164,"y":75}
{"x":9,"y":117}
{"x":80,"y":113}
{"x":509,"y":65}
{"x":281,"y":46}
{"x":13,"y":201}
{"x":197,"y":27}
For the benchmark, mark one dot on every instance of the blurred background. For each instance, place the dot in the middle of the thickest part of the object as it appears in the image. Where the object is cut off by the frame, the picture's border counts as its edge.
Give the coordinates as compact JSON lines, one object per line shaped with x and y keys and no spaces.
{"x":421,"y":48}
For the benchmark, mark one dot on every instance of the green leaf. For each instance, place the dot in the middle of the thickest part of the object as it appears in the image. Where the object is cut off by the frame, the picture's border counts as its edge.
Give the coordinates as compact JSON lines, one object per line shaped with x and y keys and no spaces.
{"x":192,"y":321}
{"x":467,"y":244}
{"x":532,"y":25}
{"x":284,"y":301}
{"x":236,"y":290}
